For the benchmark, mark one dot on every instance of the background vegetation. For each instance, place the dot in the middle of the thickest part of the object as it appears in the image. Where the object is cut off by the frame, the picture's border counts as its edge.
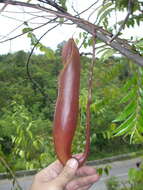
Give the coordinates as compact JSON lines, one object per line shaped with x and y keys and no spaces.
{"x":27,"y":102}
{"x":27,"y":109}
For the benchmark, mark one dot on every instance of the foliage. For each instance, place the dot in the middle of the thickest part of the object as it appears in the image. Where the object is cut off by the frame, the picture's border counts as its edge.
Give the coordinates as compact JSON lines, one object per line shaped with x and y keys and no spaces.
{"x":27,"y":106}
{"x":28,"y":132}
{"x":131,"y":116}
{"x":136,"y":178}
{"x":27,"y":115}
{"x":104,"y":170}
{"x":63,"y":3}
{"x":134,"y":182}
{"x":112,"y":183}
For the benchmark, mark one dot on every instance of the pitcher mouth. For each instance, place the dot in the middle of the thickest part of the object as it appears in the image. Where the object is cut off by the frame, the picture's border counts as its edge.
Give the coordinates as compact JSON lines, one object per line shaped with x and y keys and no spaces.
{"x":67,"y":49}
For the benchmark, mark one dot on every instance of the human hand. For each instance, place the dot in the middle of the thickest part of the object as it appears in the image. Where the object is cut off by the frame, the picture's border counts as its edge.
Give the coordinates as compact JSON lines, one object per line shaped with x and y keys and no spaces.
{"x":70,"y":177}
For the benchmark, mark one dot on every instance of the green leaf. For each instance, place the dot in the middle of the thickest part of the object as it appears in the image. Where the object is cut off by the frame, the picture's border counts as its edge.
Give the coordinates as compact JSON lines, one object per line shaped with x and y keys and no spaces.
{"x":100,"y":171}
{"x":48,"y":52}
{"x":36,"y":144}
{"x":105,"y":14}
{"x":139,"y":44}
{"x":61,"y":21}
{"x":141,"y":92}
{"x":63,"y":3}
{"x":25,"y":30}
{"x":128,"y":84}
{"x":21,"y":153}
{"x":129,"y":95}
{"x":132,"y":173}
{"x":125,"y":126}
{"x":140,"y":68}
{"x":108,"y":53}
{"x":80,"y":35}
{"x":85,"y":45}
{"x":77,"y":41}
{"x":30,"y":134}
{"x":107,"y":169}
{"x":103,"y":8}
{"x":128,"y":110}
{"x":125,"y":129}
{"x":33,"y":38}
{"x":102,"y":50}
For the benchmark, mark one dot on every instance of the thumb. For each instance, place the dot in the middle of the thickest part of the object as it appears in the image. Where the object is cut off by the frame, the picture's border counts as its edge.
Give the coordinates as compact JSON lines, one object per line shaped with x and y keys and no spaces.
{"x":68,"y":172}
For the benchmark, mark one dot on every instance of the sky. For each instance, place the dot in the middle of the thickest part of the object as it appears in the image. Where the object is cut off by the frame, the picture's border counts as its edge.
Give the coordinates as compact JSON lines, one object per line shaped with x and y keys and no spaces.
{"x":10,"y":21}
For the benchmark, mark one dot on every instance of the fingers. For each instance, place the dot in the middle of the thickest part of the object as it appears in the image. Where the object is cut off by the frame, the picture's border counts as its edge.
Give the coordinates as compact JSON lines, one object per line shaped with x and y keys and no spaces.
{"x":50,"y":172}
{"x":81,"y":188}
{"x":86,"y":171}
{"x":85,"y":187}
{"x":68,"y":173}
{"x":82,"y":182}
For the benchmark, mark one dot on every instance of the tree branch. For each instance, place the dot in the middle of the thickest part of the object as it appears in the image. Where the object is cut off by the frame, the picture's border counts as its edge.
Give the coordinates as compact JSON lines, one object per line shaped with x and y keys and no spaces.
{"x":14,"y":37}
{"x":28,"y":61}
{"x":120,"y":45}
{"x":5,"y":164}
{"x":54,"y":4}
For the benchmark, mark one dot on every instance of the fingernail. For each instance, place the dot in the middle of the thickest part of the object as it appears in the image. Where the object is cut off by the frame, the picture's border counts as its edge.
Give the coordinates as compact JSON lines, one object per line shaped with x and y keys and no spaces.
{"x":72,"y":163}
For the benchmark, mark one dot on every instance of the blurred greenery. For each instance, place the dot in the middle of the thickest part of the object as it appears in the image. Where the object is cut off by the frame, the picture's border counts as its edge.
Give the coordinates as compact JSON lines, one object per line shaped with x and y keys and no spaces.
{"x":26,"y":114}
{"x":27,"y":103}
{"x":134,"y":181}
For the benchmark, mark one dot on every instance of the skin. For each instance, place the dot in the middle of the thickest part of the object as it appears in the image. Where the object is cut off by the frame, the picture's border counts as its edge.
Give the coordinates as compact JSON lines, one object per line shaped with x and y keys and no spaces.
{"x":69,"y":177}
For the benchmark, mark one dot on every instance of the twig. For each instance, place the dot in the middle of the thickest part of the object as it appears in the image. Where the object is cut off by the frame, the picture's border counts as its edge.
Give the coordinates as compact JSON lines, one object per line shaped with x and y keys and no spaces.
{"x":89,"y":7}
{"x":78,"y":15}
{"x":44,"y":23}
{"x":31,"y":13}
{"x":2,"y":160}
{"x":13,"y":18}
{"x":21,"y":12}
{"x":28,"y":61}
{"x":12,"y":38}
{"x":93,"y":13}
{"x":27,"y":21}
{"x":11,"y":32}
{"x":91,"y":70}
{"x":89,"y":98}
{"x":124,"y":22}
{"x":2,"y":9}
{"x":91,"y":53}
{"x":54,"y":4}
{"x":120,"y":44}
{"x":83,"y":41}
{"x":85,"y":10}
{"x":85,"y":54}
